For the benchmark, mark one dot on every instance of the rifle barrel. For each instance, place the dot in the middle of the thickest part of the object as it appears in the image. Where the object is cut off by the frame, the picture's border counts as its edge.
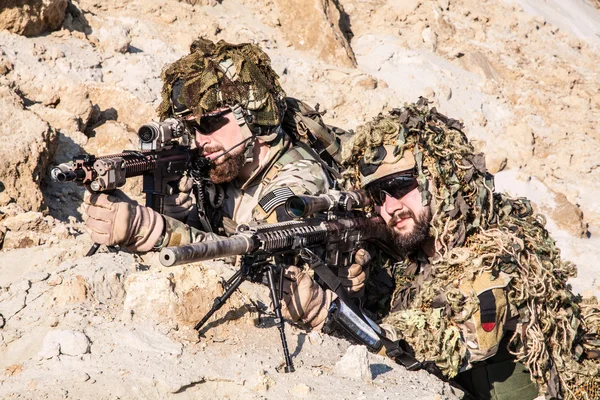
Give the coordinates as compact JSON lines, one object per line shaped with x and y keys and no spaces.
{"x":201,"y":251}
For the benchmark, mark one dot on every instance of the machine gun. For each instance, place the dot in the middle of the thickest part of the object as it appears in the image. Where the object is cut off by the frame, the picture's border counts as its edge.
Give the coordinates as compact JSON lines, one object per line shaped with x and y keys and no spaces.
{"x":160,"y":160}
{"x":327,"y":239}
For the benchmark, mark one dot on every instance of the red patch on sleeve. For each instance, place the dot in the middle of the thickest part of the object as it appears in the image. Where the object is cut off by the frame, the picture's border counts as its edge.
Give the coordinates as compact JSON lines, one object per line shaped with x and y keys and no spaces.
{"x":488,"y":326}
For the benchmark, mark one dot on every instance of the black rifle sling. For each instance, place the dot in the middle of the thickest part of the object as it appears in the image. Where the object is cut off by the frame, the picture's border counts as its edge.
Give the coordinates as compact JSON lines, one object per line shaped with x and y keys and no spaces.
{"x":201,"y":203}
{"x":392,"y":348}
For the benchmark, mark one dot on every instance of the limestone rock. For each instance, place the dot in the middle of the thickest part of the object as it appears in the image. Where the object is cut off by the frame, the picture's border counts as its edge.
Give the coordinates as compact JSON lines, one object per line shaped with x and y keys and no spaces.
{"x":25,"y":222}
{"x":301,"y":390}
{"x":478,"y":63}
{"x":113,"y":38}
{"x":181,"y":297}
{"x":110,"y":138}
{"x":32,"y":17}
{"x":65,"y":342}
{"x":519,"y":144}
{"x":75,"y":101}
{"x":26,"y":230}
{"x":314,"y":25}
{"x":119,"y":105}
{"x":13,"y":299}
{"x":5,"y":66}
{"x":147,"y":339}
{"x":368,"y":83}
{"x":430,"y":38}
{"x":100,"y":278}
{"x":27,"y":147}
{"x":568,"y":216}
{"x":354,"y":364}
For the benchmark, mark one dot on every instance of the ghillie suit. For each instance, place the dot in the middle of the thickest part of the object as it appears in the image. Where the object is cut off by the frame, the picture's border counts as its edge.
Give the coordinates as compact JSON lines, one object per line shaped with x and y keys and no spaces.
{"x":485,"y":240}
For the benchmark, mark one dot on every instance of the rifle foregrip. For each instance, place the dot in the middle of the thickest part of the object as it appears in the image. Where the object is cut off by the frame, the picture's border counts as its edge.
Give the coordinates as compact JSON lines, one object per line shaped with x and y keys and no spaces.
{"x":211,"y":249}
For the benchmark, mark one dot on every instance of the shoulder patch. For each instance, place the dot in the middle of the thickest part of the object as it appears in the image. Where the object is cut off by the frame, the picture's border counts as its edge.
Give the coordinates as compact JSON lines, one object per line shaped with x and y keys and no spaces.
{"x":275,"y":198}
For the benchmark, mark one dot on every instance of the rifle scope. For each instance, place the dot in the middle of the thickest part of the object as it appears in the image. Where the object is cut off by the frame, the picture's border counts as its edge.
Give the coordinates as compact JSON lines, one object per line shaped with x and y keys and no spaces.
{"x":303,"y":205}
{"x":154,"y":135}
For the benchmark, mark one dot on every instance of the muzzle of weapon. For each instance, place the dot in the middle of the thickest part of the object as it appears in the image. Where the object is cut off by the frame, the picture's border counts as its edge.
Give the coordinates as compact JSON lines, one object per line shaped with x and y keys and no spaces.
{"x":304,"y":205}
{"x":60,"y":174}
{"x":208,"y":250}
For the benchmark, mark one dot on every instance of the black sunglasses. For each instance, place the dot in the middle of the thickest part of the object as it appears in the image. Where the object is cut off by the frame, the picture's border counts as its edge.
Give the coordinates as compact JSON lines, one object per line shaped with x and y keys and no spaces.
{"x":209,"y":123}
{"x":396,"y":186}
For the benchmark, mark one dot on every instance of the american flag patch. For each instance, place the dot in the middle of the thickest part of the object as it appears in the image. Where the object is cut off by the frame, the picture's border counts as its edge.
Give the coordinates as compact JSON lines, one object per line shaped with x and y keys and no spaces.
{"x":275,"y":198}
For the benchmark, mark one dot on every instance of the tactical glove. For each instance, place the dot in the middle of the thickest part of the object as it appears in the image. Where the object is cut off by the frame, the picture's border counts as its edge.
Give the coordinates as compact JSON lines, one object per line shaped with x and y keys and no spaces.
{"x":304,"y":300}
{"x":117,"y":220}
{"x":179,"y":202}
{"x":353,"y":277}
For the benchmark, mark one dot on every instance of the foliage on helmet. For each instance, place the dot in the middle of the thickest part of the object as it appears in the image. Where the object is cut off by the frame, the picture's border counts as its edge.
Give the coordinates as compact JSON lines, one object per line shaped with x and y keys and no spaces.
{"x":478,"y":231}
{"x":225,"y":74}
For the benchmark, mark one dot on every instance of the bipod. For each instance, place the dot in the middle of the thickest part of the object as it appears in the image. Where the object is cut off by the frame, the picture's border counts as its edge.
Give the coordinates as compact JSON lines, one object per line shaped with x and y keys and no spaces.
{"x":250,"y":270}
{"x":275,"y":299}
{"x":230,"y":286}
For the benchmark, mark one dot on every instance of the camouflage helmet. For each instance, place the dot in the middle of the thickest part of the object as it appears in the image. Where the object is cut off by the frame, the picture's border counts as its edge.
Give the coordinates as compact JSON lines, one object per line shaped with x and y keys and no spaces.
{"x":220,"y":75}
{"x":385,"y":161}
{"x":445,"y":163}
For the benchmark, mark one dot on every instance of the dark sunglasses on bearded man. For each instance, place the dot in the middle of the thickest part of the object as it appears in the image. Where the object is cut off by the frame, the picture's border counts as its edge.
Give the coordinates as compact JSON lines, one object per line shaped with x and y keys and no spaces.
{"x":209,"y":122}
{"x":396,"y":186}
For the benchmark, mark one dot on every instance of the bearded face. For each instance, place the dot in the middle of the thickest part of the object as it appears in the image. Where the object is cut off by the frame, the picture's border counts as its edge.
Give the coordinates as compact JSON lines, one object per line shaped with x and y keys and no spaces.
{"x":411,"y":239}
{"x":215,"y":135}
{"x":407,"y":219}
{"x":227,"y":167}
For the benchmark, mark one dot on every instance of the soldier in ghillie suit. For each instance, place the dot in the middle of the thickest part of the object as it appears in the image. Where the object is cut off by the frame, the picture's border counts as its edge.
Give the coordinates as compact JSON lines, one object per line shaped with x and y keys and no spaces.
{"x":481,"y":289}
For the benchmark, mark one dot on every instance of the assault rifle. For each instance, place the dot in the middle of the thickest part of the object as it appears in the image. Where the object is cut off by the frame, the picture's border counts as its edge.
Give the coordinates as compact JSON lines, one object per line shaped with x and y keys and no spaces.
{"x":330,"y":232}
{"x":160,"y":160}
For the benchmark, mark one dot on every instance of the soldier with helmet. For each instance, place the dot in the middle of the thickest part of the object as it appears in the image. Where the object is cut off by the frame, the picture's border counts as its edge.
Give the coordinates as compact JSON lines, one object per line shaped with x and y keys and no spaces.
{"x":230,"y":100}
{"x":480,"y":289}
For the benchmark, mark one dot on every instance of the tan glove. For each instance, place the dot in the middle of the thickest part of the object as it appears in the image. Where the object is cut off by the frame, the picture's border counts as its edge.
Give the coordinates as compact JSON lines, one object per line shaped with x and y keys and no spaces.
{"x":304,"y":300}
{"x":179,"y":202}
{"x":117,"y":220}
{"x":353,"y":278}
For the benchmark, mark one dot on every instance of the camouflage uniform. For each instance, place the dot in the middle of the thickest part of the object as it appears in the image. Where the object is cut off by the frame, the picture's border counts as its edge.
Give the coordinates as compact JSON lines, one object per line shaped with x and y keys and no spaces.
{"x":289,"y":169}
{"x":487,"y":370}
{"x":216,"y":75}
{"x":492,"y":308}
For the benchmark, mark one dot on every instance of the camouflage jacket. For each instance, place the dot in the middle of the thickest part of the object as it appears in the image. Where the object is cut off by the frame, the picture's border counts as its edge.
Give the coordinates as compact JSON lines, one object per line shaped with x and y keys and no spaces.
{"x":288,"y":169}
{"x":392,"y":289}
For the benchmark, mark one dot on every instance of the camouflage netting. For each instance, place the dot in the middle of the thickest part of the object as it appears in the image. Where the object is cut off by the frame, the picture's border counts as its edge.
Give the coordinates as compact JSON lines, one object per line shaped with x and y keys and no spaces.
{"x":224,"y":74}
{"x":478,"y":230}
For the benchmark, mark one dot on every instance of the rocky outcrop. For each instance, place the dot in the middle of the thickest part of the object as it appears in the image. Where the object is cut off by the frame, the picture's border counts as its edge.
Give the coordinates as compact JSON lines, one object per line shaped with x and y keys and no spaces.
{"x":319,"y":27}
{"x":26,"y":149}
{"x":32,"y":17}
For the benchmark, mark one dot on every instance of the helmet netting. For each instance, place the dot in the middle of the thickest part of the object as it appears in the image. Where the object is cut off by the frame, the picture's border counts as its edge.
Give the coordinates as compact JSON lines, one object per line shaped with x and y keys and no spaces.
{"x":225,"y":74}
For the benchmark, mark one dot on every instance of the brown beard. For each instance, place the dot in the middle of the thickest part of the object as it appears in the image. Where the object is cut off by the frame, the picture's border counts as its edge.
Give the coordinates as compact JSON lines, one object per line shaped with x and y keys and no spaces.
{"x":412,"y":241}
{"x":228,"y":169}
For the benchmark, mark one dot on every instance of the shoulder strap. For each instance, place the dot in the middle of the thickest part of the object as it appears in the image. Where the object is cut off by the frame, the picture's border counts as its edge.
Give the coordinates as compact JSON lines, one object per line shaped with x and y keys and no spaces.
{"x":306,"y":125}
{"x":295,"y":153}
